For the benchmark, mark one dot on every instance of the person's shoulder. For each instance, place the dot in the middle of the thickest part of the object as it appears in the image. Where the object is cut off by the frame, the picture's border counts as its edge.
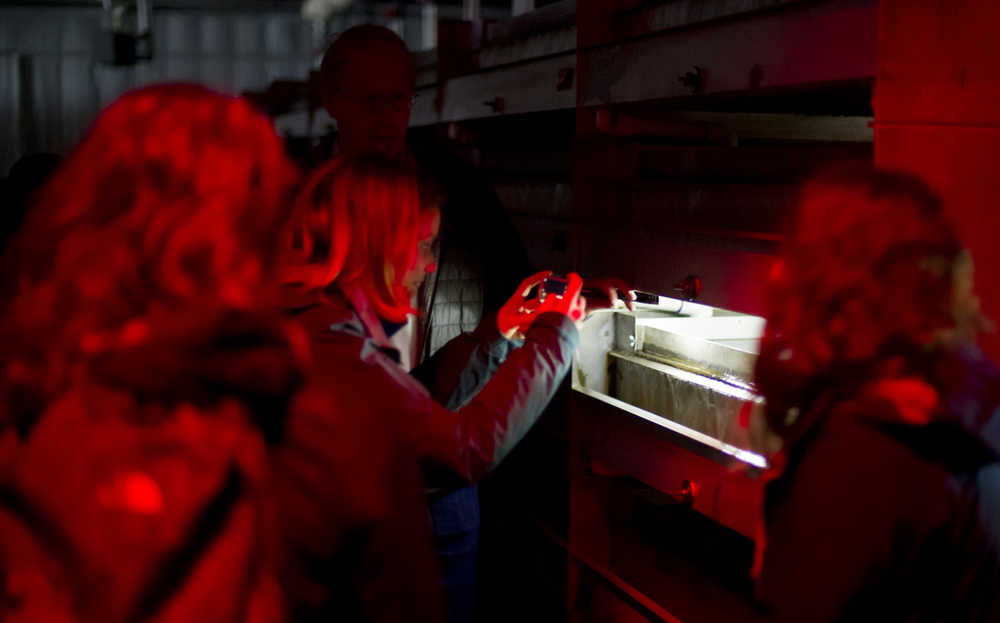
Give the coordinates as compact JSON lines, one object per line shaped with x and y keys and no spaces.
{"x":866,"y":456}
{"x":855,"y":453}
{"x":398,"y":389}
{"x":325,"y":318}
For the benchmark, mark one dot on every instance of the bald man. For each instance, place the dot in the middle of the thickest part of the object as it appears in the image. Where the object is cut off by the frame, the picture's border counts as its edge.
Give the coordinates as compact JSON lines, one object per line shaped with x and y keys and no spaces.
{"x":366,"y":84}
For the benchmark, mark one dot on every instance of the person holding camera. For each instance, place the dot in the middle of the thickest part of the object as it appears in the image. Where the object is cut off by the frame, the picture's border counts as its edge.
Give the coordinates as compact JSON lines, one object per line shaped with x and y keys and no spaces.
{"x":366,"y":83}
{"x":359,"y":243}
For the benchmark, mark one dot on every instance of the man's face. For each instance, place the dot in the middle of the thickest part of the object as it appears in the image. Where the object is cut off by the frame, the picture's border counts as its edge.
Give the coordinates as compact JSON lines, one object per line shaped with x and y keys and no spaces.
{"x":425,"y":262}
{"x":372,"y":102}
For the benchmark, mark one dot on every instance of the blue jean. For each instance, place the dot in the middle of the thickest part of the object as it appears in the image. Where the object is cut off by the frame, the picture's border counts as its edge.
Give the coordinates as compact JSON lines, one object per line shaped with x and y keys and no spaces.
{"x":455,"y":519}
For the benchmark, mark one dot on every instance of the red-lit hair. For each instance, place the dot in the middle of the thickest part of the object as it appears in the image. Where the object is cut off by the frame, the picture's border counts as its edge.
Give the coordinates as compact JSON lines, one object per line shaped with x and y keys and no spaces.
{"x":171,"y":203}
{"x":355,"y":224}
{"x":866,"y":274}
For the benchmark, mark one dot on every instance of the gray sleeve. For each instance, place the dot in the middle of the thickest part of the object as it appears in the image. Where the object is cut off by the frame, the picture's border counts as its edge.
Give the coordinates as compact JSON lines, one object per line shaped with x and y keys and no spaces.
{"x":460,"y":369}
{"x":462,"y":446}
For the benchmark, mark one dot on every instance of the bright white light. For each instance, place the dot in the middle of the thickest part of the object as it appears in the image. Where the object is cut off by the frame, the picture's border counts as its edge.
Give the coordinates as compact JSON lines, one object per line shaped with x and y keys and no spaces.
{"x":746,"y":456}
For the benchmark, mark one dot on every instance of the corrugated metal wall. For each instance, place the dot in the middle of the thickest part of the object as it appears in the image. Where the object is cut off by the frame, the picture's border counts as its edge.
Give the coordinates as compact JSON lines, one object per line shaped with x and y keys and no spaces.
{"x":52,"y":85}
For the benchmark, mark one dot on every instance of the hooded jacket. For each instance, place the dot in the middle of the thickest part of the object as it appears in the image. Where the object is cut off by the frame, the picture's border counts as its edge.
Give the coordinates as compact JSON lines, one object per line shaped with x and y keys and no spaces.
{"x":888,"y":506}
{"x":202,"y":475}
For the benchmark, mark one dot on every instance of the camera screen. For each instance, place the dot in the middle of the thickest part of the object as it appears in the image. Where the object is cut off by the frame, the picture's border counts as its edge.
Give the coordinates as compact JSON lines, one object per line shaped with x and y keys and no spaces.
{"x":555,"y":285}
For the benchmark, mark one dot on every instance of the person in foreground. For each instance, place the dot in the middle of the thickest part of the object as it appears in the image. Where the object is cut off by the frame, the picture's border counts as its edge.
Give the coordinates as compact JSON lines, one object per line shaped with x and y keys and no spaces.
{"x":164,"y":454}
{"x":885,"y":503}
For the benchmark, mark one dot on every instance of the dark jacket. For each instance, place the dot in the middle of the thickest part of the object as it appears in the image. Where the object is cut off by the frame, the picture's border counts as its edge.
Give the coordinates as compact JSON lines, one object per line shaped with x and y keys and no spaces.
{"x":886,"y":511}
{"x":454,"y":447}
{"x":202,"y":475}
{"x":454,"y":374}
